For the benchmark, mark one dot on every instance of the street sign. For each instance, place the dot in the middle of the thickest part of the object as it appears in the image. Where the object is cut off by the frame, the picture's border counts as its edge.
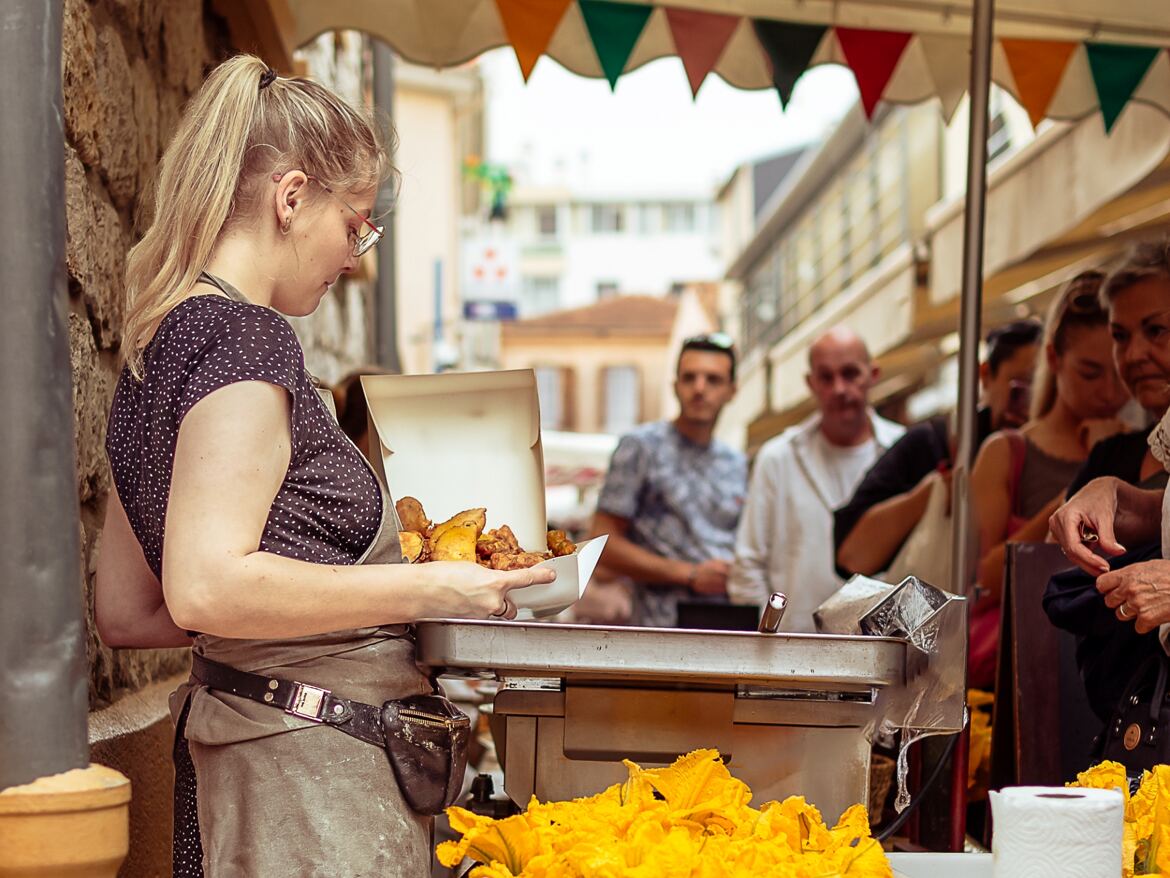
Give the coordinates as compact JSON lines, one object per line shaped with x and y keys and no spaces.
{"x":486,"y":310}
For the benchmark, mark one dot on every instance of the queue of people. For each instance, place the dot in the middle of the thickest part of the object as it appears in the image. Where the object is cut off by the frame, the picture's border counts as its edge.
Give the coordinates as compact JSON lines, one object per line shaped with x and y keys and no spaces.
{"x":844,"y":491}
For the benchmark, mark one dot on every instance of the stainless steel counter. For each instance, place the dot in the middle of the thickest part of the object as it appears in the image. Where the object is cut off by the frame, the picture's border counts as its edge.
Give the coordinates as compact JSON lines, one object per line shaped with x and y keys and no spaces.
{"x":792,"y":713}
{"x":586,"y":652}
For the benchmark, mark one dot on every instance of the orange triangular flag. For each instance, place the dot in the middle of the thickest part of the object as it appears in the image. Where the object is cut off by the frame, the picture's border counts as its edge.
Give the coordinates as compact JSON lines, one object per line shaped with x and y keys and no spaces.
{"x":1037,"y":67}
{"x":530,"y":25}
{"x":699,"y":39}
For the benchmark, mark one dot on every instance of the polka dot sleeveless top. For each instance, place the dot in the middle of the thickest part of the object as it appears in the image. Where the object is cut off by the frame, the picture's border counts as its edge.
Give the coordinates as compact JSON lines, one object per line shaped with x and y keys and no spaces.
{"x":328,"y":509}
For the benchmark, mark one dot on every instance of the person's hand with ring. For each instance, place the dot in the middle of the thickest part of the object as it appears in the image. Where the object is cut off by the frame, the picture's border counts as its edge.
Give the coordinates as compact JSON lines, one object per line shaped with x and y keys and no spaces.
{"x":465,"y":590}
{"x":1139,"y":593}
{"x":1086,"y":520}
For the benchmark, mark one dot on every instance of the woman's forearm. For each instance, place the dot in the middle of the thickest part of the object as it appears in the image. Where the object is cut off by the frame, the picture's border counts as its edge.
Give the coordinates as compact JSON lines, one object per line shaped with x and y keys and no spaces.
{"x":262,"y":596}
{"x":881,"y":530}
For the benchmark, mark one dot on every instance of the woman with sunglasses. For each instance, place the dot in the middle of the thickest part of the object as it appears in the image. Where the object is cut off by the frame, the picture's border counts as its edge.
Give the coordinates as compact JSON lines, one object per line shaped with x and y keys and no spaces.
{"x":242,"y":521}
{"x":1019,"y":477}
{"x":1110,"y":514}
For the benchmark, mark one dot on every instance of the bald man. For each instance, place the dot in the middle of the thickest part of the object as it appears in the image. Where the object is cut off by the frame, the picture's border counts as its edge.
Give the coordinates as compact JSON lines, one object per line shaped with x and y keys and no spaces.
{"x":785,"y":536}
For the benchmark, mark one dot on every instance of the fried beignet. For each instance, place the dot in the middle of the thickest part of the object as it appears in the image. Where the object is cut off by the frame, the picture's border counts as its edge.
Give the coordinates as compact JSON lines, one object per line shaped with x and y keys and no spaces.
{"x":475,"y":517}
{"x":516,"y":560}
{"x":499,"y":540}
{"x":560,"y":544}
{"x":412,"y":516}
{"x":455,"y":544}
{"x":412,"y":545}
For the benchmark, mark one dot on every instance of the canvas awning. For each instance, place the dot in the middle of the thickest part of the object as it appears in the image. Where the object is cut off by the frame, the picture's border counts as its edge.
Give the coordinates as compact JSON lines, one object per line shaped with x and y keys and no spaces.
{"x":1091,"y":56}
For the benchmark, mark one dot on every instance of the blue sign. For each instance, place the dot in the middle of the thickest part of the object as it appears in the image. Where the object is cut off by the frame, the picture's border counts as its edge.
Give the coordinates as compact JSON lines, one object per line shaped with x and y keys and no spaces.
{"x":487,"y":310}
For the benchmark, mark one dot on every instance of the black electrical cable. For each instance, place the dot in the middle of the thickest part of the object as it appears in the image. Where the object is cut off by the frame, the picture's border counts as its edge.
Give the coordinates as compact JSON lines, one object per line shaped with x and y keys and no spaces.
{"x":883,"y":834}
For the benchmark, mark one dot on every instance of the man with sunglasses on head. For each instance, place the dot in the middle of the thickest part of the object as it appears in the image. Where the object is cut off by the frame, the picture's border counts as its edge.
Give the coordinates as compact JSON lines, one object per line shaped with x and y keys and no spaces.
{"x":785,"y":539}
{"x":673,"y":494}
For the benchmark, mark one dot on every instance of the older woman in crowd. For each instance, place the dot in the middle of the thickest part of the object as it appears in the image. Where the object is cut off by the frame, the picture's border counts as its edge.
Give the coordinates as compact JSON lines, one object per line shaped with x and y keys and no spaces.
{"x":1112,"y":512}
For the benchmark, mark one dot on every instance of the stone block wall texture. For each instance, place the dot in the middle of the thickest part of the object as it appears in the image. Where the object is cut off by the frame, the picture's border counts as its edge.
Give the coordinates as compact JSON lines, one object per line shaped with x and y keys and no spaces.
{"x":128,"y":68}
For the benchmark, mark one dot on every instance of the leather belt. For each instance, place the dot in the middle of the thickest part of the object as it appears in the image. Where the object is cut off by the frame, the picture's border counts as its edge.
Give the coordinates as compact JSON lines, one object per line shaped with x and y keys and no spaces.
{"x":362,"y":721}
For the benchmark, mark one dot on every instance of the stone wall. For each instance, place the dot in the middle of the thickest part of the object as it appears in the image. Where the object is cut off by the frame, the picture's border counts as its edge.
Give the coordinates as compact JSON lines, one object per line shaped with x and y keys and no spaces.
{"x":128,"y":67}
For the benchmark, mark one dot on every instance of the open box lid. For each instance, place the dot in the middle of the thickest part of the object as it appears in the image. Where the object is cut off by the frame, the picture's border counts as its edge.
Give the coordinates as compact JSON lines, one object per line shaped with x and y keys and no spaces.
{"x":460,"y":440}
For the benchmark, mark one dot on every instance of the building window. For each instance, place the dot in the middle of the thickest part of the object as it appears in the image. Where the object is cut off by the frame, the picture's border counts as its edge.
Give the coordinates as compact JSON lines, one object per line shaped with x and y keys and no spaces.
{"x":622,"y":399}
{"x":649,"y":218}
{"x":679,"y":217}
{"x":546,"y":221}
{"x":607,"y":289}
{"x":608,"y":218}
{"x":539,"y":295}
{"x":999,"y":136}
{"x":553,"y":385}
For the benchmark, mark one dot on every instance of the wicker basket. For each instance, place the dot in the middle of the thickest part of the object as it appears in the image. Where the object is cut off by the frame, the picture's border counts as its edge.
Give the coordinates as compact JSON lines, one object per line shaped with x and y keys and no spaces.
{"x":881,"y":777}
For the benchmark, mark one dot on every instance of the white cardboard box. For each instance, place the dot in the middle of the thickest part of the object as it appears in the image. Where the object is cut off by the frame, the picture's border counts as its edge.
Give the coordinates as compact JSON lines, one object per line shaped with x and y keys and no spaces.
{"x":456,"y":441}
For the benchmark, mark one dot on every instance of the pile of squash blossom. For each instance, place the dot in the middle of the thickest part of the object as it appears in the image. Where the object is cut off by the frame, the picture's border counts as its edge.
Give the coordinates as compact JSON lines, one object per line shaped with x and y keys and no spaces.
{"x":1145,"y":844}
{"x":690,"y":819}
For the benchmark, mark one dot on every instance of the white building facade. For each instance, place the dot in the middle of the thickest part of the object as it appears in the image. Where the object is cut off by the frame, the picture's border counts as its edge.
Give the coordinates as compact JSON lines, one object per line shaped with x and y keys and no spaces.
{"x":561,"y":249}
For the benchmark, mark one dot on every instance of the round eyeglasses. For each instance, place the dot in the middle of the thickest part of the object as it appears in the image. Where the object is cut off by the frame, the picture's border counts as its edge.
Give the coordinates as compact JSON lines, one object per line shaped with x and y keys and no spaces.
{"x":361,"y":243}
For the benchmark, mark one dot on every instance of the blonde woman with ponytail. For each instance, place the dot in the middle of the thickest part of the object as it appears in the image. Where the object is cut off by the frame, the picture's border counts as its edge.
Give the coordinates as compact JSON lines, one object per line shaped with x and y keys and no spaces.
{"x":242,"y":523}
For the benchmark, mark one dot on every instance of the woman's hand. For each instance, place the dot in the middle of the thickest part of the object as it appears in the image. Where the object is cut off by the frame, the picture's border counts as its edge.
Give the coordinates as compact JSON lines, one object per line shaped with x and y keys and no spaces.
{"x":1092,"y":510}
{"x":1139,"y":593}
{"x":464,"y":590}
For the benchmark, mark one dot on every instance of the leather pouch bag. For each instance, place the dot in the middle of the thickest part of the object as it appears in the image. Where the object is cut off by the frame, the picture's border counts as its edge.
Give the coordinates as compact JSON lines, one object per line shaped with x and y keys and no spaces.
{"x":1139,"y":735}
{"x":426,"y":740}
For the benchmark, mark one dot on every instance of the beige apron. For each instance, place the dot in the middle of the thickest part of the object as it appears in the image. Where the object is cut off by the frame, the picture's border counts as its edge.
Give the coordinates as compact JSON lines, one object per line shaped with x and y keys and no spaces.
{"x":279,"y":795}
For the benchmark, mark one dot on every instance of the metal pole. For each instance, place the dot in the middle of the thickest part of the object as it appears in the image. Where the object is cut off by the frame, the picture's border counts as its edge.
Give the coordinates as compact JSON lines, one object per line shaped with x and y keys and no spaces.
{"x":971,"y":303}
{"x":386,"y":290}
{"x":42,"y":627}
{"x":971,"y":300}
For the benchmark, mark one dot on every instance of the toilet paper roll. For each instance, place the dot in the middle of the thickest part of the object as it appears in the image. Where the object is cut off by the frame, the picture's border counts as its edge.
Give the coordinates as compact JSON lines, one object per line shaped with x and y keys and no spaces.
{"x":1056,"y":831}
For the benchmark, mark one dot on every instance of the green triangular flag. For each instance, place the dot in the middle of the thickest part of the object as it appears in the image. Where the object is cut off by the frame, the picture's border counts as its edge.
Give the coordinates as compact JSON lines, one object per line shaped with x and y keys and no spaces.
{"x":1117,"y":72}
{"x":789,"y":47}
{"x":614,"y":29}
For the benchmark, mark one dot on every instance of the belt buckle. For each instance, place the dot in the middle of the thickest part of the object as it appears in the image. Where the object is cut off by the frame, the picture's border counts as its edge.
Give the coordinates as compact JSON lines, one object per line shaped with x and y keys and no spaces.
{"x":308,"y":702}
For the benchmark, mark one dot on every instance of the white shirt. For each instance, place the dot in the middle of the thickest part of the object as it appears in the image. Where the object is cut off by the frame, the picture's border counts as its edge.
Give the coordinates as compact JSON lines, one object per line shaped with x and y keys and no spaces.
{"x":785,"y":537}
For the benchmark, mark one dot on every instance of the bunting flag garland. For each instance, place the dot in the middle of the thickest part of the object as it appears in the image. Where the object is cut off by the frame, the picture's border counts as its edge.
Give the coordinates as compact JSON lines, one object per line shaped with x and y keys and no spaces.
{"x":789,"y":48}
{"x":699,"y":39}
{"x":530,"y":25}
{"x":614,"y":29}
{"x":1117,"y":72}
{"x":948,"y":62}
{"x":1050,"y":78}
{"x":1037,"y":67}
{"x":872,"y":55}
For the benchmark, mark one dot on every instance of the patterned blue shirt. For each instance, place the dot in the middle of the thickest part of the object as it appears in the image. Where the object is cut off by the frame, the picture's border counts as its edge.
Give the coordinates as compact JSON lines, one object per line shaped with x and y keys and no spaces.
{"x":682,"y":501}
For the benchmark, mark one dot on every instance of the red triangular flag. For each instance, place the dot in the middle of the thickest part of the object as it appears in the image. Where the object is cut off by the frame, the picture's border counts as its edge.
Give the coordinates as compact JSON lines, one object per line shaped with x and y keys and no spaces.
{"x":530,"y":24}
{"x":699,"y":39}
{"x":872,"y":55}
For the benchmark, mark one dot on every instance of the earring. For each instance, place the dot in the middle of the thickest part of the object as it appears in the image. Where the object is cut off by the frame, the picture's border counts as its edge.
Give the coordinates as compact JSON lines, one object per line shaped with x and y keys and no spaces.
{"x":286,"y":225}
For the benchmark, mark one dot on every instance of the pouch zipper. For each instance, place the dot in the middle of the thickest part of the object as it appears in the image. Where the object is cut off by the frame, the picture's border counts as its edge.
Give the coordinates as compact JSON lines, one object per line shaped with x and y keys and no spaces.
{"x":429,"y":719}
